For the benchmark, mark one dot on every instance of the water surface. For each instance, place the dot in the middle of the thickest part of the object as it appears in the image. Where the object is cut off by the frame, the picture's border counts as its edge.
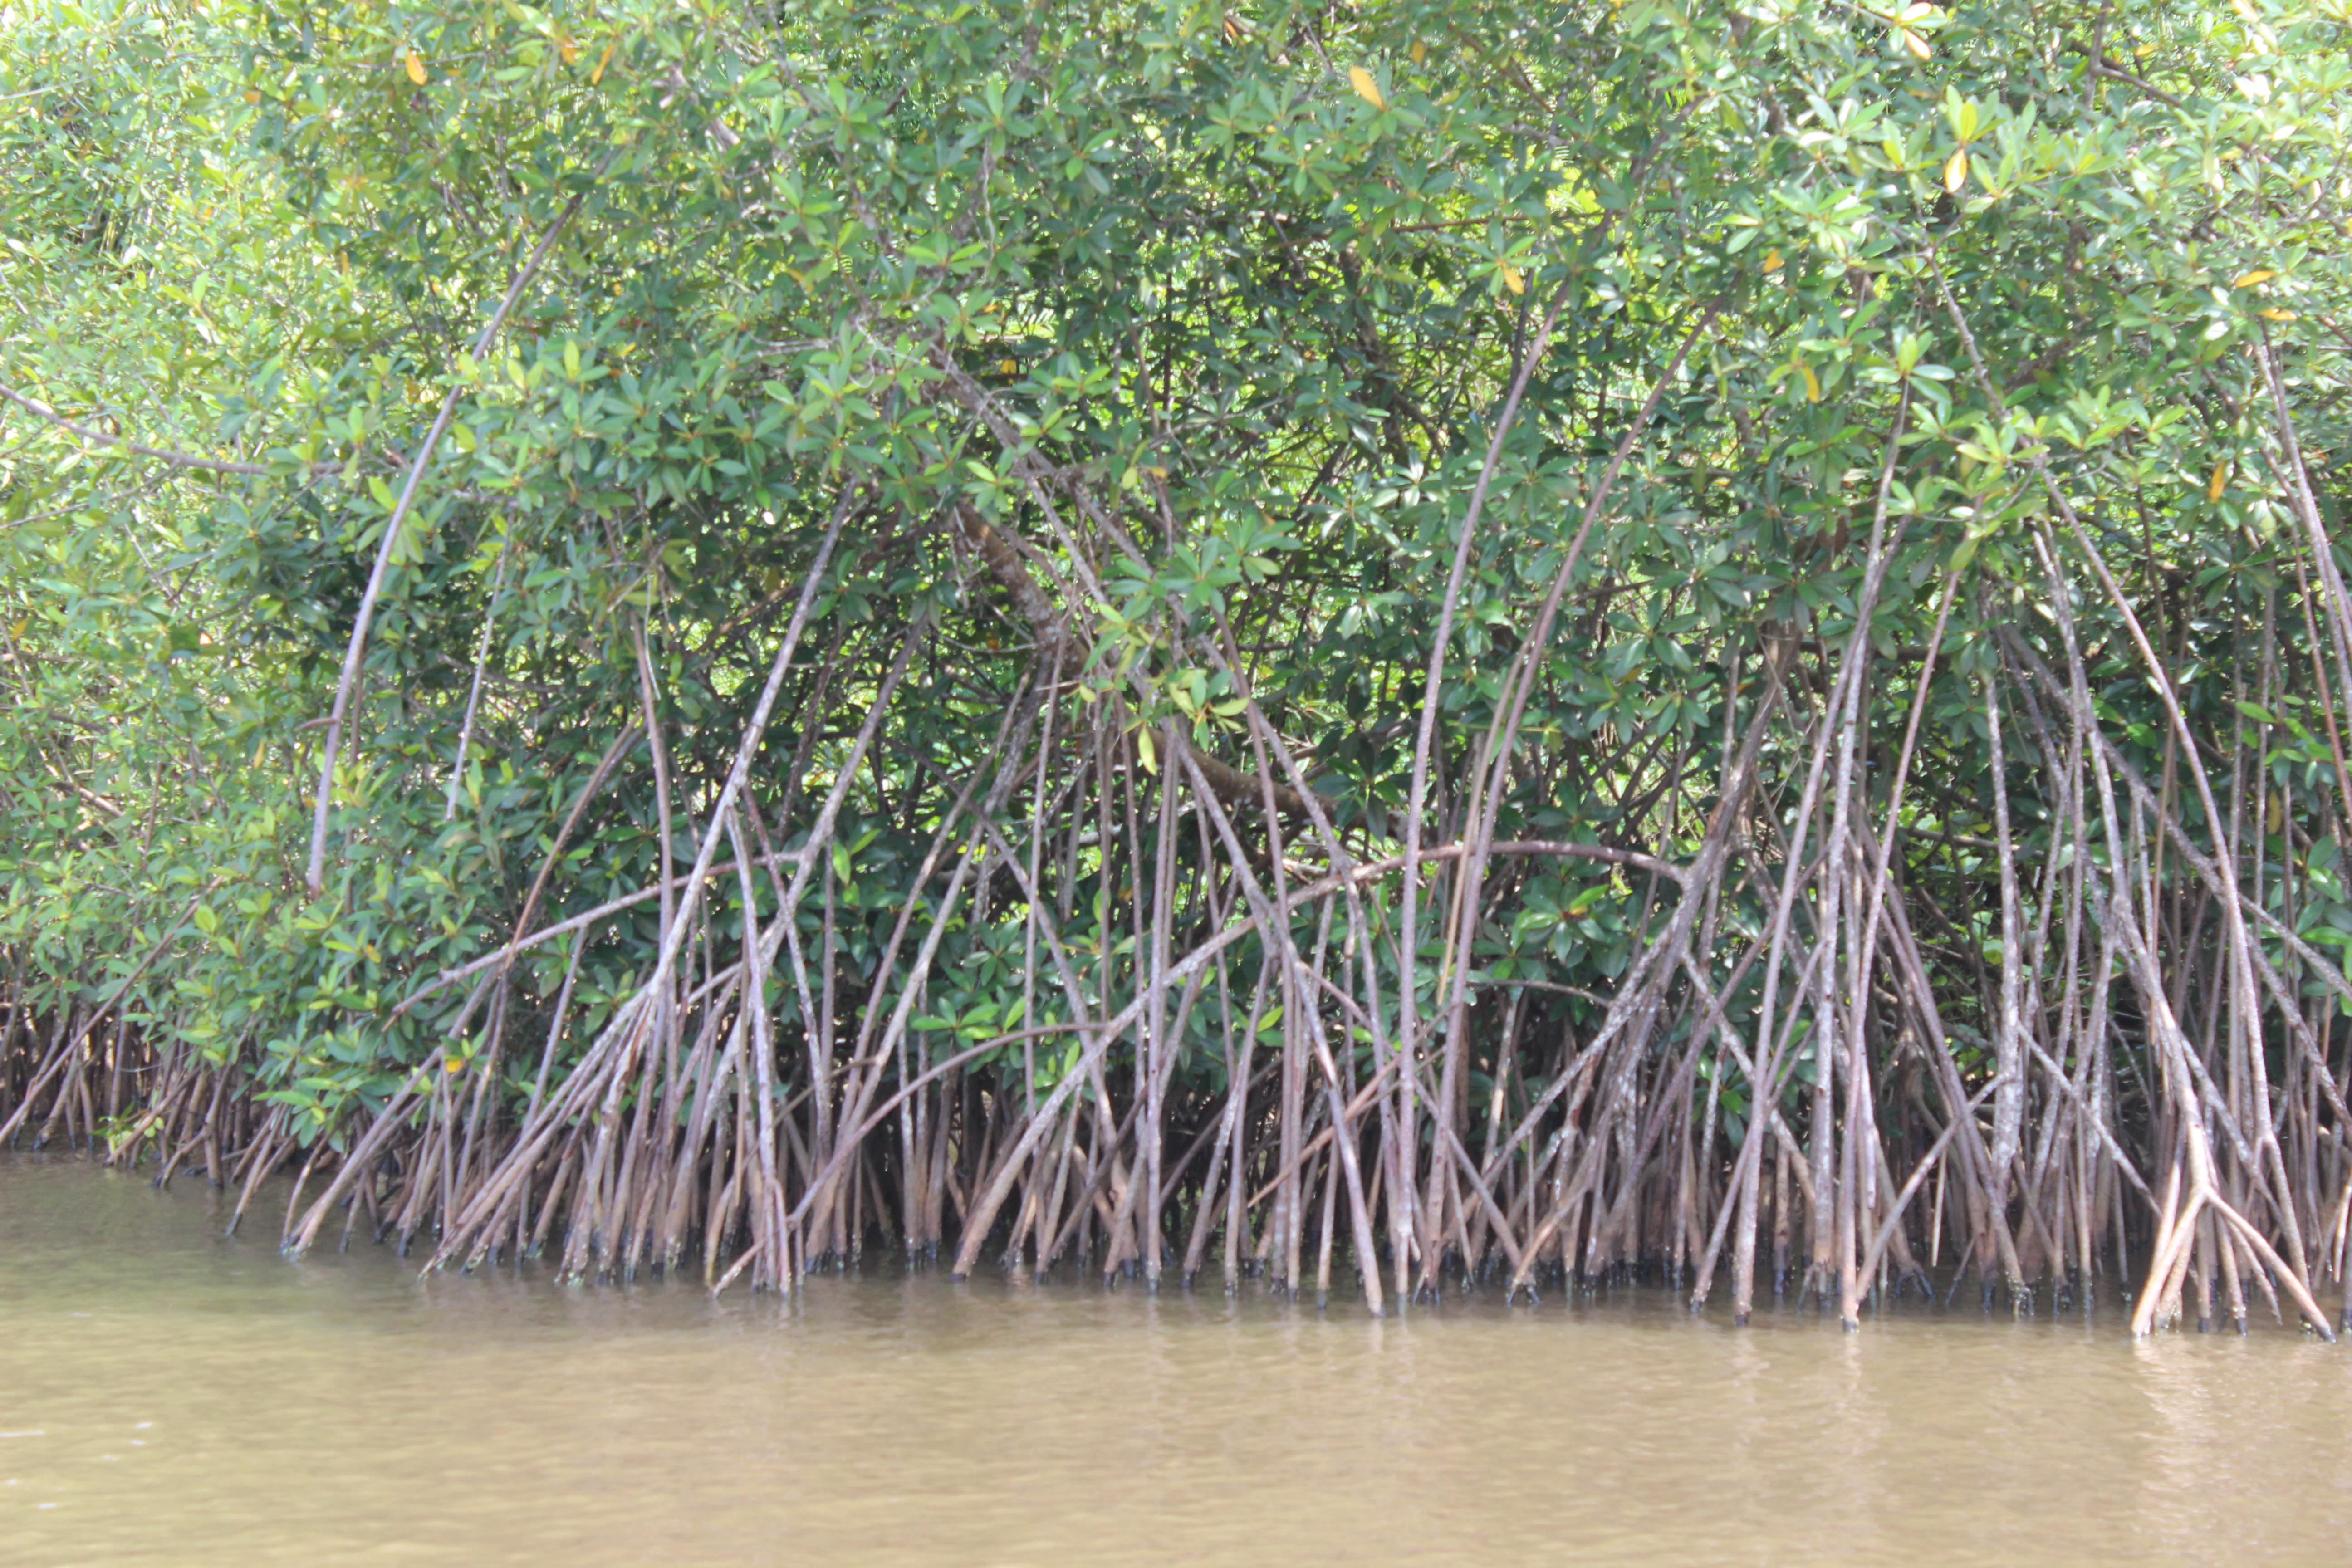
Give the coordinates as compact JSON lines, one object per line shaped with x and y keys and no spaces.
{"x":168,"y":1396}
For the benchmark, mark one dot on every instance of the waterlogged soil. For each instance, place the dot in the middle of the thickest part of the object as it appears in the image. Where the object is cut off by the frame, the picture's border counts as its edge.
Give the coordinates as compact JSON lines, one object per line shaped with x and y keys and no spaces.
{"x":171,"y":1397}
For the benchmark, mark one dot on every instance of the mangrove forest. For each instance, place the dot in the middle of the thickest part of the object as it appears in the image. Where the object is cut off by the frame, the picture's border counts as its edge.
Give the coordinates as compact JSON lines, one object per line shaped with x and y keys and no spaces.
{"x":1388,"y":648}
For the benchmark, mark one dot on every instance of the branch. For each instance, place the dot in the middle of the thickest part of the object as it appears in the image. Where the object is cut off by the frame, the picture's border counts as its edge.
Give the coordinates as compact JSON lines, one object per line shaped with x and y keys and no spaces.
{"x":2104,"y":65}
{"x":315,"y":876}
{"x":34,"y":405}
{"x":1056,"y":639}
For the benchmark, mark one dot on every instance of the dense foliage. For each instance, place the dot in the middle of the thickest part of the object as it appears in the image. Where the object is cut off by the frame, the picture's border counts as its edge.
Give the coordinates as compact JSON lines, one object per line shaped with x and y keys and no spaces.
{"x":1134,"y":628}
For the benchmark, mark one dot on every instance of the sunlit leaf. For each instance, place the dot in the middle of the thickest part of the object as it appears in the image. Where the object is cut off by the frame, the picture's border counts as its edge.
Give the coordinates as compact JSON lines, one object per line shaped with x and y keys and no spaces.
{"x":1955,"y":171}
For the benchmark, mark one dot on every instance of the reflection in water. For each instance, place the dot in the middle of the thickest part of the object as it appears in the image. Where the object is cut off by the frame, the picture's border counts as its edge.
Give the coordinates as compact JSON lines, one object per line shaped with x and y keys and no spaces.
{"x":167,"y":1396}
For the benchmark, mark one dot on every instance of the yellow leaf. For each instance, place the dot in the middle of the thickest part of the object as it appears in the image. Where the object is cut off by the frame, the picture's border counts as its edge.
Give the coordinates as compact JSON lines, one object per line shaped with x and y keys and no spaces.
{"x":2275,"y":314}
{"x":1955,"y":171}
{"x":601,"y":61}
{"x":1772,"y":261}
{"x":1366,"y":88}
{"x":567,"y":47}
{"x":1420,"y":51}
{"x":1512,"y":280}
{"x":2259,"y":275}
{"x":1008,"y":367}
{"x":453,"y":1064}
{"x":415,"y":66}
{"x":2219,"y":481}
{"x":1916,"y":43}
{"x":1812,"y":383}
{"x":1150,"y":756}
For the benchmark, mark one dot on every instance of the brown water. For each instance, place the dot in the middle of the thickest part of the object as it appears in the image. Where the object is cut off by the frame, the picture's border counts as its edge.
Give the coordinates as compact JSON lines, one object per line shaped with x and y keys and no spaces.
{"x":167,"y":1396}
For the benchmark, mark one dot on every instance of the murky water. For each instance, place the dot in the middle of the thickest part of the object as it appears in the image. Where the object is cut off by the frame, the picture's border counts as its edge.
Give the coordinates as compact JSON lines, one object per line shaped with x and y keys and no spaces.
{"x":169,"y":1398}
